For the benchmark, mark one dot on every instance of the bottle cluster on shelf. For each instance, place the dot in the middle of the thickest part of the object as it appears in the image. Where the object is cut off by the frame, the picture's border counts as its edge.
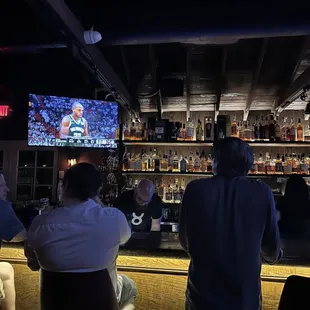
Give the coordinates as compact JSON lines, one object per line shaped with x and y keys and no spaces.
{"x":196,"y":162}
{"x":171,"y":162}
{"x":269,"y":129}
{"x":170,"y":131}
{"x":256,"y":129}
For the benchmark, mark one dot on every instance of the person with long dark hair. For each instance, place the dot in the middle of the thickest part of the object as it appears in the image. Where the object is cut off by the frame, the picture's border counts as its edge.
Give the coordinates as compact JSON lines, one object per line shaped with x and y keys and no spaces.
{"x":294,"y":206}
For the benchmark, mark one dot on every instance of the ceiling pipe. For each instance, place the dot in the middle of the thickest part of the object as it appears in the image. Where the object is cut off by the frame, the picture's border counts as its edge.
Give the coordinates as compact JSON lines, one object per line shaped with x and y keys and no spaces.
{"x":29,"y":48}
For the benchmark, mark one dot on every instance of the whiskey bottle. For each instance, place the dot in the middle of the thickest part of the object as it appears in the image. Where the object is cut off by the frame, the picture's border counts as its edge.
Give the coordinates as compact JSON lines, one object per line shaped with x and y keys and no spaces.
{"x":300,"y":131}
{"x":234,"y":128}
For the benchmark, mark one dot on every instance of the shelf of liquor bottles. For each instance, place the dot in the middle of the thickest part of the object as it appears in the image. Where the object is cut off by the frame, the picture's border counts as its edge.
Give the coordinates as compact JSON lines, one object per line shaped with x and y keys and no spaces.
{"x":208,"y":174}
{"x":210,"y":143}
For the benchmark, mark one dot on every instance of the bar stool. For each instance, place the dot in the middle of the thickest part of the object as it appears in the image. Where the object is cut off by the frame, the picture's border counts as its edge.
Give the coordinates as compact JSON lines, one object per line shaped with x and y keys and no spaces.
{"x":295,"y":294}
{"x":77,"y":291}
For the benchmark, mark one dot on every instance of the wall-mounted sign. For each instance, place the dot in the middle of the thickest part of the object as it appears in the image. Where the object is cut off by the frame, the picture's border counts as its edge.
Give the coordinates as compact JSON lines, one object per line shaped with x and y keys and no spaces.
{"x":4,"y":111}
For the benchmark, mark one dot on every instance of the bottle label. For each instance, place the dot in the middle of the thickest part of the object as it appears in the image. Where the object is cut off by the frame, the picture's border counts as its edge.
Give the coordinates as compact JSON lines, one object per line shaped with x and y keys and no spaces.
{"x":189,"y":132}
{"x":299,"y":135}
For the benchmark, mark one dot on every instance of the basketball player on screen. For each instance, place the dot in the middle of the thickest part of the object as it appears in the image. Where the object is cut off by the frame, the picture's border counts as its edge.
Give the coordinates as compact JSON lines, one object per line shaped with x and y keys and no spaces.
{"x":74,"y":125}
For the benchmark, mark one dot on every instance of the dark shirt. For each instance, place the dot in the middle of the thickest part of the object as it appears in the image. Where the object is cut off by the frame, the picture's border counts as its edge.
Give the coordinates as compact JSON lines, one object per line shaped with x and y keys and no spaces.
{"x":294,"y":216}
{"x":10,"y":225}
{"x":226,"y":226}
{"x":139,"y":216}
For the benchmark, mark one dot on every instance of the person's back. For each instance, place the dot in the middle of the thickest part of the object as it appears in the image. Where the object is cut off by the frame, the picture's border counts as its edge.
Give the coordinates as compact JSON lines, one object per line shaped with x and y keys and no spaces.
{"x":226,"y":223}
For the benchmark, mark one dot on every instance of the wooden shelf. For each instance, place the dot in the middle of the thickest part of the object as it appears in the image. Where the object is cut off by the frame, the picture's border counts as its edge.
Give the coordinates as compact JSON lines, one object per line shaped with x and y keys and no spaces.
{"x":209,"y":174}
{"x":210,"y":143}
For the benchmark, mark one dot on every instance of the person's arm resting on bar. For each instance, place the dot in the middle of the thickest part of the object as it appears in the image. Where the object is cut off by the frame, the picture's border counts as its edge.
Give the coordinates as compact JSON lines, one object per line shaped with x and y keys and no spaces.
{"x":271,"y":251}
{"x":125,"y":230}
{"x":156,"y":215}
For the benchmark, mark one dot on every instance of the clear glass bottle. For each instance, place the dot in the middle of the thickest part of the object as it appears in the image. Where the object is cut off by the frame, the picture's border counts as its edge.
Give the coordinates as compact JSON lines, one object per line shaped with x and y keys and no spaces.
{"x":190,"y":128}
{"x":175,"y":163}
{"x":199,"y":131}
{"x":145,"y":161}
{"x":284,"y":129}
{"x":261,"y":164}
{"x":197,"y":162}
{"x":292,"y":131}
{"x":138,"y":131}
{"x":209,"y":164}
{"x":169,"y":194}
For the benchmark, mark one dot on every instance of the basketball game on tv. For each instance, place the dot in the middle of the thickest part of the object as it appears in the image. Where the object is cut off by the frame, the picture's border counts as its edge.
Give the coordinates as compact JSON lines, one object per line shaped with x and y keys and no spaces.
{"x":63,"y":121}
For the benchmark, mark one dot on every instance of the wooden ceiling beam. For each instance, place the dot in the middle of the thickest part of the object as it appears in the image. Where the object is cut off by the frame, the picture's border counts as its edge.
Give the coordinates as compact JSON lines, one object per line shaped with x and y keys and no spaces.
{"x":221,"y":80}
{"x":255,"y":78}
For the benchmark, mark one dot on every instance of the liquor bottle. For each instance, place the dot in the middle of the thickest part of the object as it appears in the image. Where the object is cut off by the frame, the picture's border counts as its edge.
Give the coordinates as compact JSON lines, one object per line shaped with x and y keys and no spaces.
{"x":176,"y":194}
{"x":164,"y":163}
{"x":203,"y":162}
{"x":246,"y":132}
{"x":169,"y":193}
{"x":151,"y":133}
{"x":162,"y":190}
{"x":183,"y":133}
{"x":300,"y":131}
{"x":145,"y":132}
{"x":197,"y":162}
{"x":209,"y":164}
{"x":304,"y":165}
{"x":199,"y":131}
{"x":175,"y":163}
{"x":277,"y":131}
{"x":307,"y":134}
{"x":133,"y":131}
{"x":190,"y":127}
{"x":261,"y":164}
{"x":174,"y":132}
{"x":138,"y":132}
{"x":182,"y":189}
{"x":292,"y":131}
{"x":261,"y":129}
{"x":190,"y":166}
{"x":208,"y":129}
{"x":279,"y":167}
{"x":256,"y":129}
{"x":266,"y":129}
{"x":272,"y":130}
{"x":234,"y":128}
{"x":284,"y":129}
{"x":183,"y":165}
{"x":241,"y":130}
{"x":126,"y":131}
{"x":145,"y":161}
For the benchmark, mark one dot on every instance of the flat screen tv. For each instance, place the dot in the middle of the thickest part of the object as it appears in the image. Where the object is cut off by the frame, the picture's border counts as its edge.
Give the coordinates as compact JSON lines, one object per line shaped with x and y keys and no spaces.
{"x":71,"y":122}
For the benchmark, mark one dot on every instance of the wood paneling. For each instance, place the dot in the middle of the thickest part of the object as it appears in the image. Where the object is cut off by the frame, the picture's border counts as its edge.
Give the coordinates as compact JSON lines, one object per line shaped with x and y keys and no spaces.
{"x":156,"y":290}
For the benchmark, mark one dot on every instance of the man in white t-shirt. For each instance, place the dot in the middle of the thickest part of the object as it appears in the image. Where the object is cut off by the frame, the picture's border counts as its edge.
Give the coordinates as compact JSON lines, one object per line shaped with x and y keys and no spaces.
{"x":81,"y":236}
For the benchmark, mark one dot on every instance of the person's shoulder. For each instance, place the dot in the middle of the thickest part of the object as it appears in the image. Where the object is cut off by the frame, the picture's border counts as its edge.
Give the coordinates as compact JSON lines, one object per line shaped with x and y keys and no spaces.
{"x":109,"y":214}
{"x":4,"y":204}
{"x":66,"y":118}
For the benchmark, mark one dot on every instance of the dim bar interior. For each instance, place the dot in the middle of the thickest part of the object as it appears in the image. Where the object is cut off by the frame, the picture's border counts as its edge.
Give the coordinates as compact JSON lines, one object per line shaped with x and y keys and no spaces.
{"x":183,"y":97}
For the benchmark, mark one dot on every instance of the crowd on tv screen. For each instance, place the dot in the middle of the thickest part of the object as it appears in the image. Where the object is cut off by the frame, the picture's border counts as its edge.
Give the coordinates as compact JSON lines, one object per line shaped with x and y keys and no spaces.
{"x":46,"y":113}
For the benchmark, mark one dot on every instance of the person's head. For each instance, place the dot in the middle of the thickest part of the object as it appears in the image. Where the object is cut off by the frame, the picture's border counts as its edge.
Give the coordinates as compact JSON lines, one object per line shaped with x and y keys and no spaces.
{"x":3,"y":188}
{"x":81,"y":182}
{"x":144,"y":192}
{"x":296,"y":189}
{"x":77,"y":110}
{"x":232,"y":157}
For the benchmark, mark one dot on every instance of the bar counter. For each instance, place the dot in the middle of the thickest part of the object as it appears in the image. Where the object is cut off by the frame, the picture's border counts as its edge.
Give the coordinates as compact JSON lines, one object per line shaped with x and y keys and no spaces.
{"x":161,"y":275}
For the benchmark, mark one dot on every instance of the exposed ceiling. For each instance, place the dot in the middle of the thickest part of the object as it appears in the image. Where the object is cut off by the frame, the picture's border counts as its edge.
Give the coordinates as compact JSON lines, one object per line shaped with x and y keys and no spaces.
{"x":228,"y":73}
